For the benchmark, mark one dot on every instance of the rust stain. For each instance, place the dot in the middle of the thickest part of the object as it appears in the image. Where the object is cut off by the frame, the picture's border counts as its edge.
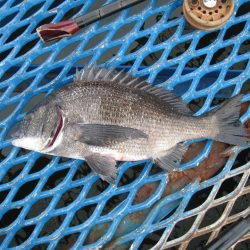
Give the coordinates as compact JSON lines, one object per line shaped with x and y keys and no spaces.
{"x":207,"y":168}
{"x":145,"y":192}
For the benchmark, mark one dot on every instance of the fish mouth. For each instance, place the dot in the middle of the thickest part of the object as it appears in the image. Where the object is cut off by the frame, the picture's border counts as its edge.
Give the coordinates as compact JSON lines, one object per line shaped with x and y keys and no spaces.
{"x":54,"y":141}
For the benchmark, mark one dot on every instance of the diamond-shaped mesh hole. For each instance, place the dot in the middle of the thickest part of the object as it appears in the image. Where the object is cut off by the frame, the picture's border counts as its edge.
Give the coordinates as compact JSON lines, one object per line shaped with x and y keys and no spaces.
{"x":25,"y":190}
{"x":155,"y":170}
{"x":82,"y":214}
{"x":9,"y":73}
{"x":12,"y":173}
{"x":97,"y":188}
{"x":15,"y":2}
{"x":234,"y":30}
{"x":242,"y":158}
{"x":187,"y":29}
{"x":225,"y":92}
{"x":241,"y":204}
{"x":207,"y":39}
{"x":27,"y":47}
{"x":124,"y":30}
{"x":245,"y":87}
{"x":50,"y":76}
{"x":195,"y":62}
{"x":228,"y":186}
{"x":4,"y":54}
{"x":10,"y":216}
{"x":244,"y":47}
{"x":165,"y":35}
{"x":131,"y":174}
{"x":94,"y":41}
{"x":179,"y":49}
{"x":230,"y":75}
{"x":67,"y":50}
{"x":212,"y":215}
{"x":198,"y":198}
{"x":152,"y":58}
{"x":40,"y":59}
{"x":40,"y":164}
{"x":2,"y":237}
{"x":3,"y":195}
{"x":145,"y":192}
{"x":97,"y":232}
{"x":166,"y":76}
{"x":151,"y":239}
{"x":71,"y":12}
{"x":82,"y":171}
{"x":8,"y":19}
{"x":2,"y":90}
{"x":68,"y":197}
{"x":43,"y":246}
{"x":221,"y":54}
{"x":55,"y":179}
{"x":51,"y":225}
{"x":243,"y":9}
{"x":198,"y":243}
{"x":4,"y":113}
{"x":177,"y":13}
{"x":67,"y":241}
{"x":170,"y":213}
{"x":182,"y":87}
{"x":108,"y":54}
{"x":22,"y":86}
{"x":17,"y":33}
{"x":83,"y":61}
{"x":38,"y":207}
{"x":5,"y":152}
{"x":196,"y":104}
{"x":31,"y":11}
{"x":243,"y":245}
{"x":137,"y":44}
{"x":152,"y":20}
{"x":21,"y":236}
{"x":113,"y":202}
{"x":207,"y":80}
{"x":55,"y":3}
{"x":226,"y":228}
{"x":239,"y":65}
{"x":181,"y":228}
{"x":136,"y":9}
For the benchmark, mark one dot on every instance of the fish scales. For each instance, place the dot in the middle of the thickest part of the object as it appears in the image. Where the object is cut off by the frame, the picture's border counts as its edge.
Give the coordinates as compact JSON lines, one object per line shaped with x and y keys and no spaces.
{"x":107,"y":116}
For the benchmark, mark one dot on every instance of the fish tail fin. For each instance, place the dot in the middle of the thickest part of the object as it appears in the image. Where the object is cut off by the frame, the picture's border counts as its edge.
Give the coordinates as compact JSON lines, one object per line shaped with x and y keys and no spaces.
{"x":229,"y":128}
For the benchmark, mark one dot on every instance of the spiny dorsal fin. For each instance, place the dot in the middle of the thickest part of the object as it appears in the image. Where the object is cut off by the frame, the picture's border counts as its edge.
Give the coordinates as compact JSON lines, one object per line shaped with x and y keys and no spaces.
{"x":120,"y":77}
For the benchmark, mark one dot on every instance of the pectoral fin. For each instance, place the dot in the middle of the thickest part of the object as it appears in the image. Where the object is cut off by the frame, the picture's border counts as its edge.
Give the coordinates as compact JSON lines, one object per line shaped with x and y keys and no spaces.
{"x":172,"y":157}
{"x":105,"y":135}
{"x":103,"y":166}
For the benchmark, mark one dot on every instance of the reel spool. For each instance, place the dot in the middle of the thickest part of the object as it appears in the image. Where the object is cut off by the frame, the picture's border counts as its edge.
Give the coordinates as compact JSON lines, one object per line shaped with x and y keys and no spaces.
{"x":208,"y":14}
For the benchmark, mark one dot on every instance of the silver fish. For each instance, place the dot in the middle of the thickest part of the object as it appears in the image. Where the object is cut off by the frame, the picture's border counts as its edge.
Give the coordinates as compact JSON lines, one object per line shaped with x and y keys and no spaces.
{"x":107,"y":116}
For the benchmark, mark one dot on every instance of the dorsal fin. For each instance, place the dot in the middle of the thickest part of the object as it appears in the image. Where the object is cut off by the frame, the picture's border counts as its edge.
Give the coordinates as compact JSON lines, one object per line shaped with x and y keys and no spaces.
{"x":120,"y":77}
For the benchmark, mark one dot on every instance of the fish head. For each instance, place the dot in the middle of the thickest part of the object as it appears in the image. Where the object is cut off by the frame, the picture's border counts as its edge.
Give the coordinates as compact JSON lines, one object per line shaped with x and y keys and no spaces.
{"x":39,"y":129}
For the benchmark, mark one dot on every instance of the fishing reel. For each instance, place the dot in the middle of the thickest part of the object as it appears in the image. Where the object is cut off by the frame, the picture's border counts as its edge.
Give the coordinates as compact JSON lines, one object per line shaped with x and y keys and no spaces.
{"x":208,"y":14}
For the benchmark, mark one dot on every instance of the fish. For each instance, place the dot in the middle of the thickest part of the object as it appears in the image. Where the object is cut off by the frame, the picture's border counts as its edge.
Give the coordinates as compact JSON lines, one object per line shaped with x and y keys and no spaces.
{"x":105,"y":116}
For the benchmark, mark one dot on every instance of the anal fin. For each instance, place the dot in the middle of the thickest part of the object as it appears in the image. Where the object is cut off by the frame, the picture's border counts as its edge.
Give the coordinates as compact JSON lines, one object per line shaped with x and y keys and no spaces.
{"x":171,"y":158}
{"x":105,"y":166}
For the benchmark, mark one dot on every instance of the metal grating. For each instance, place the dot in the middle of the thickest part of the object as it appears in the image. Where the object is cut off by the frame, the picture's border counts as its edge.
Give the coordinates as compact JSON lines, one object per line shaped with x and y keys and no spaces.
{"x":58,"y":203}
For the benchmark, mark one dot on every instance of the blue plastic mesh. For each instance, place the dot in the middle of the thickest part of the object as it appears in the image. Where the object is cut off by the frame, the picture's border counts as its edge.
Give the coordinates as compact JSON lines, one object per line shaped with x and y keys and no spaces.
{"x":33,"y":187}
